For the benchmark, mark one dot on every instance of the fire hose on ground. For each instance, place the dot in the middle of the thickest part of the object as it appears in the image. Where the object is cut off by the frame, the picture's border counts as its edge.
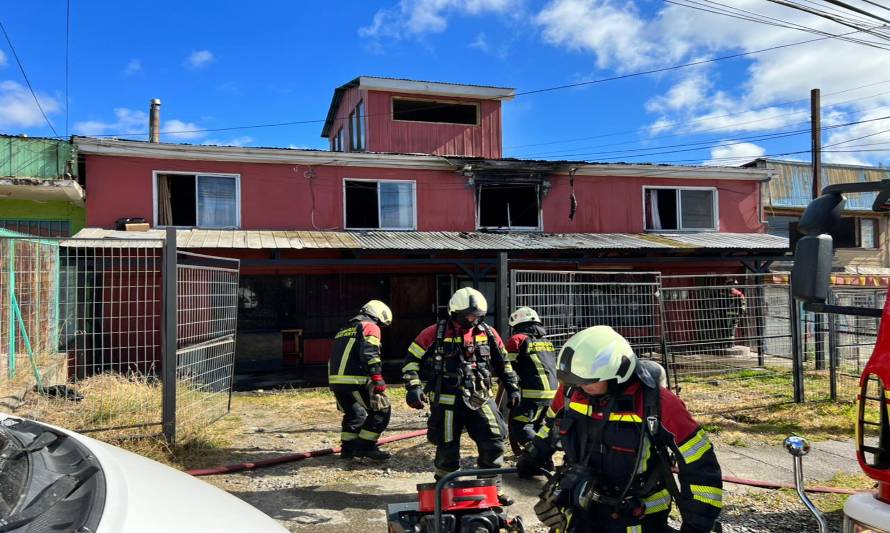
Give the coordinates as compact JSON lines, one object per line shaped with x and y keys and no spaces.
{"x":293,"y":457}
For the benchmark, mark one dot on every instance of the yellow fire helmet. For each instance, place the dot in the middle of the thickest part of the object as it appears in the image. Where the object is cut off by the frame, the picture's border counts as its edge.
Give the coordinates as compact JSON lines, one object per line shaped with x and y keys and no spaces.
{"x":467,"y":300}
{"x":596,"y":354}
{"x":523,"y":315}
{"x":379,"y":311}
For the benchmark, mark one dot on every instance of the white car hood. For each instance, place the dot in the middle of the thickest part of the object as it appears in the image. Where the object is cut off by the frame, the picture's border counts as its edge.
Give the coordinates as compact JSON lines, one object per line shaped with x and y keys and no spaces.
{"x":144,"y":496}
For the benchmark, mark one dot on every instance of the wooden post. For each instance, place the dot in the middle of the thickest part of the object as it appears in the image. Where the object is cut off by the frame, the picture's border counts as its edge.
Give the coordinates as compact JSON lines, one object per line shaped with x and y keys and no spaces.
{"x":816,"y":134}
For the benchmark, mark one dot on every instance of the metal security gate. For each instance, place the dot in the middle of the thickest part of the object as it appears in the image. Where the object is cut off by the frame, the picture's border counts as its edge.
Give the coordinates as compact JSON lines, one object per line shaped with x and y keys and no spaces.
{"x":206,"y":320}
{"x":570,"y":301}
{"x":729,"y":340}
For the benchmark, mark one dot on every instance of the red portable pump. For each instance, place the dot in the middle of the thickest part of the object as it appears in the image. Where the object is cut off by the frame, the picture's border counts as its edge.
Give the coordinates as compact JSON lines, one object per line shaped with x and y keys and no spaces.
{"x":452,"y":506}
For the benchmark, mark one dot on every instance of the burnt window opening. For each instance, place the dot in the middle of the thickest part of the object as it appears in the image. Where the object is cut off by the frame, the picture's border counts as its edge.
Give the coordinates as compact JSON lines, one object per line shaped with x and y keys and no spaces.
{"x":387,"y":205}
{"x":433,"y":111}
{"x":361,"y":205}
{"x":197,"y":200}
{"x":680,"y":209}
{"x":508,"y":206}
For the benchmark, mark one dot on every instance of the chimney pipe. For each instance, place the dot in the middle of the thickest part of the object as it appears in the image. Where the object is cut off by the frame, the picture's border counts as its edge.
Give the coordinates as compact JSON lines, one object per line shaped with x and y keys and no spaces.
{"x":154,"y":121}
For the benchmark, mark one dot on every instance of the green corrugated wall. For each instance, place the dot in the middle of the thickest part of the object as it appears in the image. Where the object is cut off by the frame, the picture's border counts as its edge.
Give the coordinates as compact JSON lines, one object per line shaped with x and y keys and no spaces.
{"x":25,"y":157}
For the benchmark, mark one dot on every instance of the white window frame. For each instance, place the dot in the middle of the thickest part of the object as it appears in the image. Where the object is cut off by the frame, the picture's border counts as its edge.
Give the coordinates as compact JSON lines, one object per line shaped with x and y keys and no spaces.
{"x":379,"y":217}
{"x":716,"y":205}
{"x":539,"y":227}
{"x":154,"y":196}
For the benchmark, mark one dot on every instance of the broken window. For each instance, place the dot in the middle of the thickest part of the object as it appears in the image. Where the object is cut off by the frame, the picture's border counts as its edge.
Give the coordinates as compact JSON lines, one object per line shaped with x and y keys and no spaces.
{"x":680,"y":209}
{"x":508,"y":206}
{"x":197,"y":200}
{"x":379,"y":204}
{"x":434,"y":111}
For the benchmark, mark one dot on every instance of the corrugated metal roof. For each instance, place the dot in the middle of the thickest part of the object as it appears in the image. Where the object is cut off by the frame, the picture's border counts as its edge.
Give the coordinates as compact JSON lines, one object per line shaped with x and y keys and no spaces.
{"x":434,"y":240}
{"x":792,"y":183}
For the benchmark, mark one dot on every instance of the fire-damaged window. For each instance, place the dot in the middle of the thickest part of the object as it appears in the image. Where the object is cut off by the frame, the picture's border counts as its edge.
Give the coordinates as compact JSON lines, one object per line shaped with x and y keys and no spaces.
{"x":508,"y":206}
{"x":206,"y":201}
{"x":388,"y":205}
{"x":435,"y":111}
{"x":680,"y":209}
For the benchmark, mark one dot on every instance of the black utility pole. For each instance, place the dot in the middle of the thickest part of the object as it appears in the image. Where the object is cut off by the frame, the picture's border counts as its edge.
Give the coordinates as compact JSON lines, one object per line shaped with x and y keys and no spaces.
{"x":816,"y":133}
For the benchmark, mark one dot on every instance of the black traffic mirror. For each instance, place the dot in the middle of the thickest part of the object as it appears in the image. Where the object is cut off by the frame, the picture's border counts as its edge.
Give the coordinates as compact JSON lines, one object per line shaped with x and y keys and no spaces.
{"x":822,"y":215}
{"x":811,"y":272}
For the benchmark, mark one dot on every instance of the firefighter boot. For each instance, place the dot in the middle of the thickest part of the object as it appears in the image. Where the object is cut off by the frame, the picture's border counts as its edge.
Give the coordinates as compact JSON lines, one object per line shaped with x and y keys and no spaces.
{"x":347,"y":449}
{"x":374,"y":453}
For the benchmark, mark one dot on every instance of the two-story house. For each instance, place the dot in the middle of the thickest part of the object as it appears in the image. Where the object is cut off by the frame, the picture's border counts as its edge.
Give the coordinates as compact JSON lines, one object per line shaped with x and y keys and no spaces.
{"x":412,"y":201}
{"x":861,"y":238}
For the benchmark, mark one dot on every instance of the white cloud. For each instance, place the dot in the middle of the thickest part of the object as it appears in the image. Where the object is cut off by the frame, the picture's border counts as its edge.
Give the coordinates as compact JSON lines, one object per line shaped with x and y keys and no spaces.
{"x":199,"y":59}
{"x":480,"y":43}
{"x":237,"y":141}
{"x":184,"y":131}
{"x":131,"y":122}
{"x":614,"y":32}
{"x":18,"y":108}
{"x":126,"y":121}
{"x":418,"y":17}
{"x":733,"y":155}
{"x":133,"y":66}
{"x":2,"y":58}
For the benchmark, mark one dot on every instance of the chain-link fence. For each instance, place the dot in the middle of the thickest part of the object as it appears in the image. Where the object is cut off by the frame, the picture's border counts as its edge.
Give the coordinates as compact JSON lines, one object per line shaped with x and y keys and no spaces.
{"x":728,"y":340}
{"x":95,"y":313}
{"x":207,"y":313}
{"x":568,"y":302}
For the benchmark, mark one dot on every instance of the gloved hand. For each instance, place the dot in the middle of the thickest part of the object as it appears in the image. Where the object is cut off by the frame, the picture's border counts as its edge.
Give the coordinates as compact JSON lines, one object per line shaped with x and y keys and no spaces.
{"x":415,"y":398}
{"x":378,"y":383}
{"x":514,"y":397}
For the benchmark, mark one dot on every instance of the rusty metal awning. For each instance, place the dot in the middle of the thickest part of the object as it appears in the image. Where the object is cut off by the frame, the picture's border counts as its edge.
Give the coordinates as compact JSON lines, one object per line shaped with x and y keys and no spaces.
{"x":436,"y":240}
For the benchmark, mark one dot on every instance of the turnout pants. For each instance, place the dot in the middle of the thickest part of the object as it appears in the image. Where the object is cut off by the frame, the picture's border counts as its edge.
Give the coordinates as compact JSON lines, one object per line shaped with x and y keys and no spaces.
{"x":599,"y":519}
{"x":361,"y":426}
{"x":524,"y":422}
{"x":485,"y":426}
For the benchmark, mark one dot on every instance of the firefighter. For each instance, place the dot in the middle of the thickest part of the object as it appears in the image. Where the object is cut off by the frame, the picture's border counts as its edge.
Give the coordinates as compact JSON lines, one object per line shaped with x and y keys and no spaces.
{"x":355,"y":376}
{"x":534,"y":360}
{"x":450,"y":365}
{"x":734,"y":306}
{"x":621,"y":431}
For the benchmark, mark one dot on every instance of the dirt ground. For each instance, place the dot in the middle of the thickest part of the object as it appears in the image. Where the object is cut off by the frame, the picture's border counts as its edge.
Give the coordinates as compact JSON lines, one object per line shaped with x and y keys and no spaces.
{"x":328,"y":494}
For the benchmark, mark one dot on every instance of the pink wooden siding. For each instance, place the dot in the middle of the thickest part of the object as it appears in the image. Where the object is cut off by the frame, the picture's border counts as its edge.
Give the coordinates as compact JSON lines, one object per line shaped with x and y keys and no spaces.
{"x":350,"y":99}
{"x":388,"y":135}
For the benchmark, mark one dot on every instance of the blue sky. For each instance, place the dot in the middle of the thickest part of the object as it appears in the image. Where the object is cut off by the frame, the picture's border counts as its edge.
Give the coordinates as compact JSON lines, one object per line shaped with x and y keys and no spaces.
{"x":232,"y":64}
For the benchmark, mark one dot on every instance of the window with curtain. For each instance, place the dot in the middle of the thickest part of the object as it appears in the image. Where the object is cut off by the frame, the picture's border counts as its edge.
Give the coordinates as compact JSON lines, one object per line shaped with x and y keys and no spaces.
{"x":680,"y":209}
{"x":197,"y":200}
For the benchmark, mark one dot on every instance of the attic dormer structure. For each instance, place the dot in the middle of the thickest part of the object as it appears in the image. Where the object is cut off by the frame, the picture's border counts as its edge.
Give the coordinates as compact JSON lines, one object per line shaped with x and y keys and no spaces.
{"x":371,"y":114}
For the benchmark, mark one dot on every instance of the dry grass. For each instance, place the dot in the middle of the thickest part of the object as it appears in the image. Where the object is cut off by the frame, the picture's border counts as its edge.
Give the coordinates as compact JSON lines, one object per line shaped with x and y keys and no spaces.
{"x":769,"y":425}
{"x":127,"y":412}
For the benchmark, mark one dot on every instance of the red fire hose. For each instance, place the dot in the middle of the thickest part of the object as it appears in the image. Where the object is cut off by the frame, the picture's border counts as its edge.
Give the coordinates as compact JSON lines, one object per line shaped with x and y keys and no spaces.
{"x":289,"y":458}
{"x":293,"y":457}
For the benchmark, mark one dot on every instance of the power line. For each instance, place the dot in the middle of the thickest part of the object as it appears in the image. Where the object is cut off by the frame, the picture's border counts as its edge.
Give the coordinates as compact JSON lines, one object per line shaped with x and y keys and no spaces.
{"x":829,"y":16}
{"x":743,"y":14}
{"x":714,"y":117}
{"x":876,"y":4}
{"x":524,"y":93}
{"x":856,"y":9}
{"x":27,"y":81}
{"x":575,"y":150}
